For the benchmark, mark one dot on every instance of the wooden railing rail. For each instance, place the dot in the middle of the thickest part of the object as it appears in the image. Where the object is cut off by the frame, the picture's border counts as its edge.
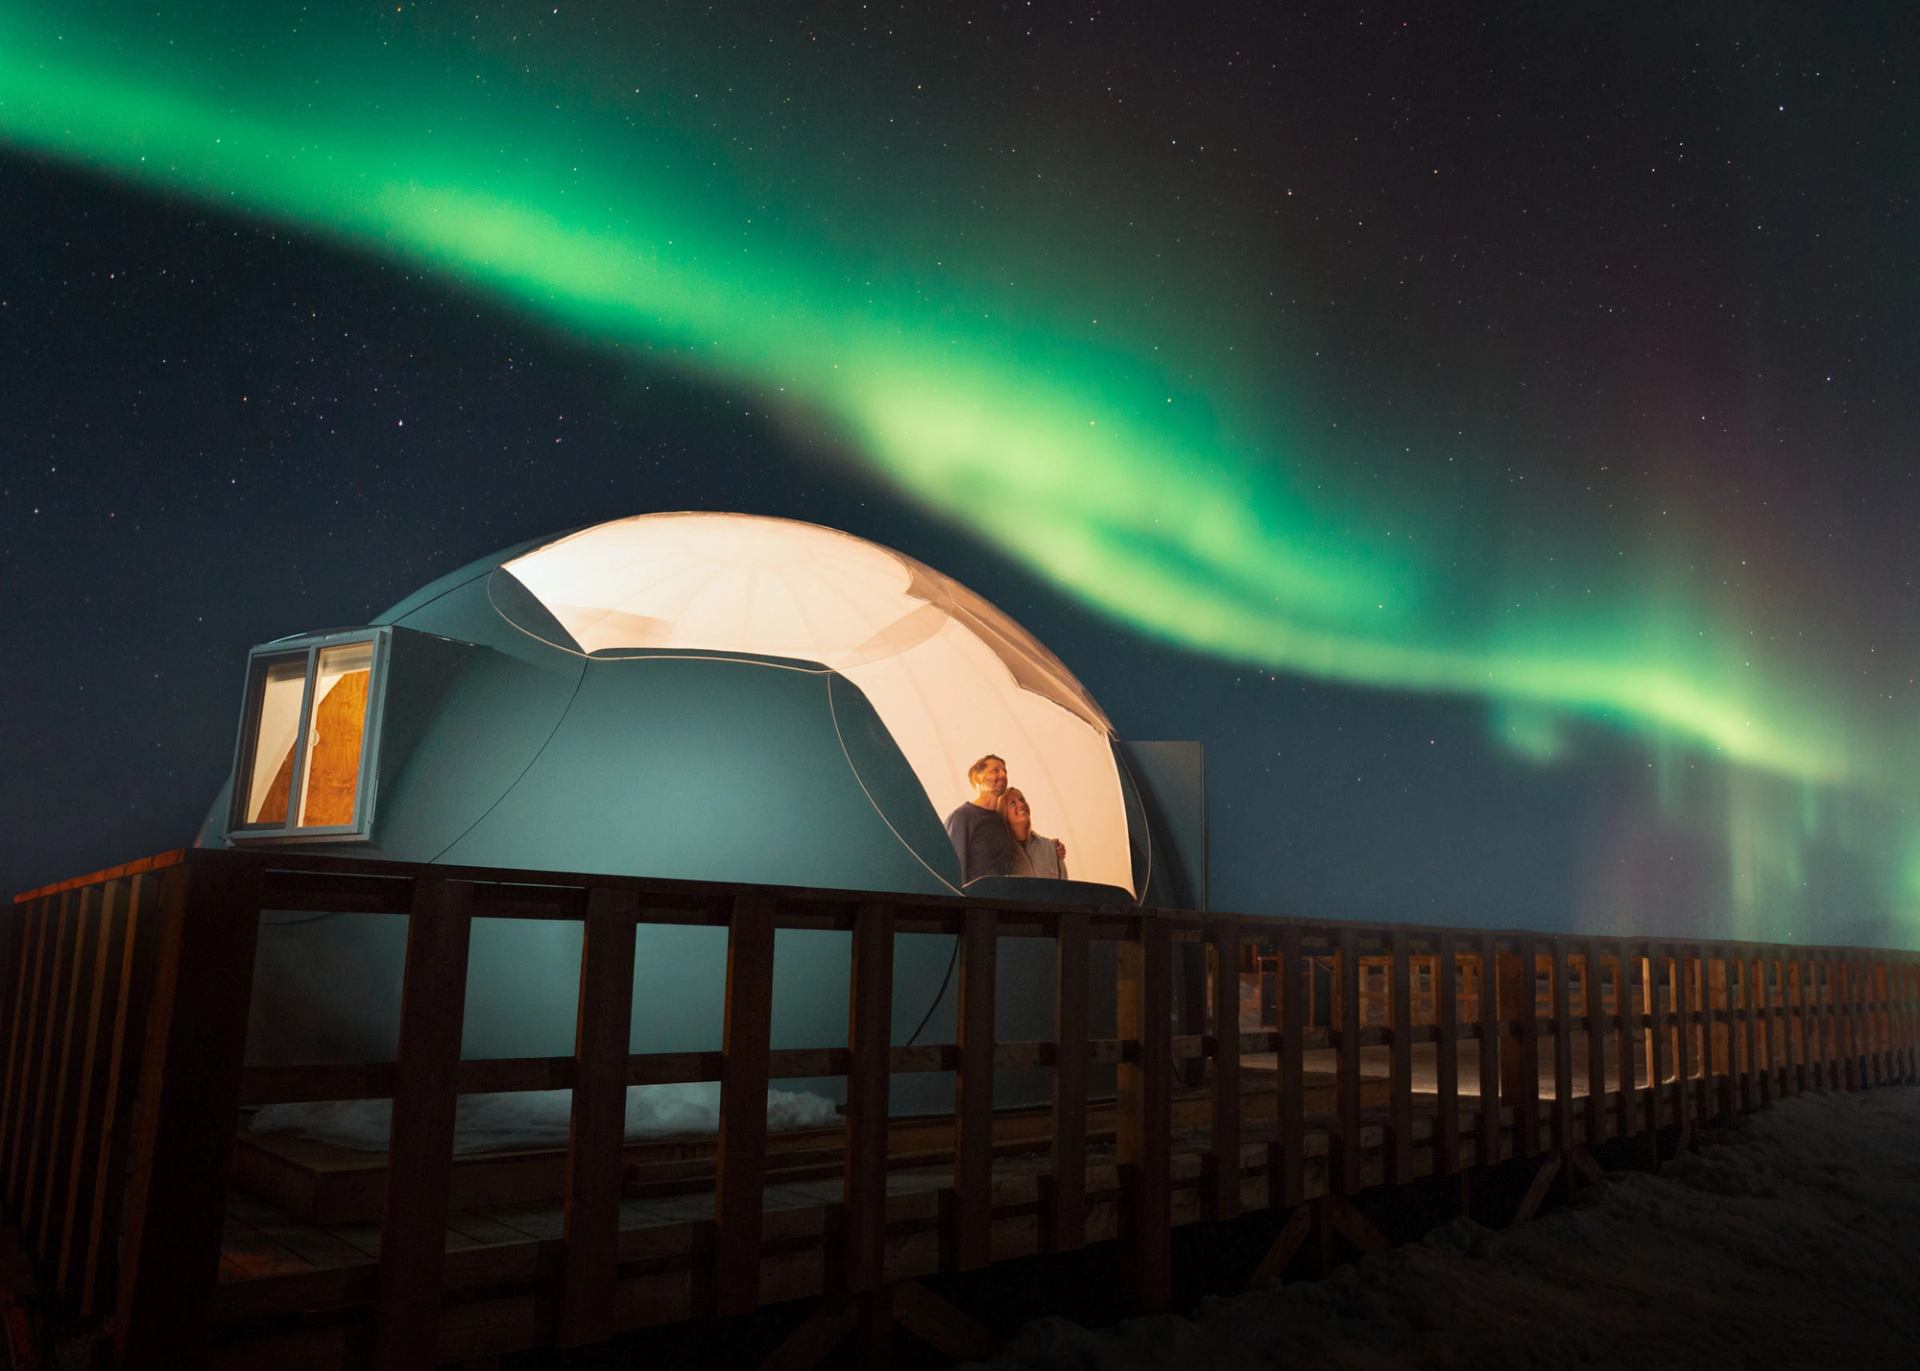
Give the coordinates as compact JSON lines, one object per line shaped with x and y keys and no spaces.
{"x":128,"y":996}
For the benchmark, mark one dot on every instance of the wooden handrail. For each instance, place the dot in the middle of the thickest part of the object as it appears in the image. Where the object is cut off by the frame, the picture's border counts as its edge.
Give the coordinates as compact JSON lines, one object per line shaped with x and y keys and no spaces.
{"x":109,"y":982}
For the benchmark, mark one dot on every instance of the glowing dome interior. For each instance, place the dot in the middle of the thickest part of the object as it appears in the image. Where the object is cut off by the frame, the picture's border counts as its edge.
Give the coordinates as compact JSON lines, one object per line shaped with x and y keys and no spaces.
{"x":949,"y":675}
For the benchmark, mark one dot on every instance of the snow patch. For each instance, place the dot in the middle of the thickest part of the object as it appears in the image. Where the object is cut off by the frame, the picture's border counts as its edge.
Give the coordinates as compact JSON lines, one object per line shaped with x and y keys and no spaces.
{"x":536,"y":1118}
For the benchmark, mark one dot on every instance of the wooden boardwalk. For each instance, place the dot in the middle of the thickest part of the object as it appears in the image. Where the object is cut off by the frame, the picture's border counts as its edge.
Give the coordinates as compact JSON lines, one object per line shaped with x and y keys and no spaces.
{"x":161,"y":1241}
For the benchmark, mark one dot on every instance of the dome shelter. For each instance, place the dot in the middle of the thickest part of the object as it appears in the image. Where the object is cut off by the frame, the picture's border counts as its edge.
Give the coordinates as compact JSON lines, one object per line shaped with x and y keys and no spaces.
{"x":696,"y":696}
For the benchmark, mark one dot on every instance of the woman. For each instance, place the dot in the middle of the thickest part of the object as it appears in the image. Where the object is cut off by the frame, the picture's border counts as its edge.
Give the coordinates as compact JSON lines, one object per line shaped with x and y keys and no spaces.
{"x":1033,"y":855}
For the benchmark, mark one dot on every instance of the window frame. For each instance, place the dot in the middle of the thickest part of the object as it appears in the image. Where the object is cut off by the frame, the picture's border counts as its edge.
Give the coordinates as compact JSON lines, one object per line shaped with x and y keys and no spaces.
{"x":308,"y":646}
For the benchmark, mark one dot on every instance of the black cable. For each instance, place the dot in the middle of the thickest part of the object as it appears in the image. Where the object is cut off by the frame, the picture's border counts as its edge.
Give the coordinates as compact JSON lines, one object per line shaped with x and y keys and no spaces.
{"x":938,"y":995}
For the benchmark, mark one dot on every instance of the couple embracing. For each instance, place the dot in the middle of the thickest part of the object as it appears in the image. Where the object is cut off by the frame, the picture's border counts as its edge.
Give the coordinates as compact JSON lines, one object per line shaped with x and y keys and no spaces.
{"x":993,"y":833}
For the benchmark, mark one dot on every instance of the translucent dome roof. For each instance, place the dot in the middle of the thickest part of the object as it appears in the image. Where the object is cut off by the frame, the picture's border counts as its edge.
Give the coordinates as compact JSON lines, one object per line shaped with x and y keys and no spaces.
{"x":950,"y":676}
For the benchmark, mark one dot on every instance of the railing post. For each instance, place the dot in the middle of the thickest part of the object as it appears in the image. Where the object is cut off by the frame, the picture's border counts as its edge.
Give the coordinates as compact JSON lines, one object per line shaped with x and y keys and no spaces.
{"x":1597,"y":1027}
{"x":1660,"y":1106}
{"x":1145,"y":1114}
{"x":29,"y":966}
{"x":869,"y":1037}
{"x":1831,"y":1051}
{"x":1067,"y":1207}
{"x":1223,"y":940}
{"x":38,"y":1066}
{"x":1343,"y":1175}
{"x":1883,"y":1036}
{"x":96,"y":1251}
{"x":1520,"y":1059}
{"x":1562,"y":973}
{"x":57,"y":1152}
{"x":189,"y":1098}
{"x":1843,"y":997}
{"x":1492,"y":1033}
{"x":90,"y":1087}
{"x":413,"y":1227}
{"x":1291,"y":1133}
{"x":1400,"y":1058}
{"x":1723,"y":1093}
{"x":1910,"y":977}
{"x":972,"y":1227}
{"x":1686,"y":1057}
{"x":1626,"y":1003}
{"x":591,"y":1207}
{"x":740,"y":1152}
{"x":1446,"y":1013}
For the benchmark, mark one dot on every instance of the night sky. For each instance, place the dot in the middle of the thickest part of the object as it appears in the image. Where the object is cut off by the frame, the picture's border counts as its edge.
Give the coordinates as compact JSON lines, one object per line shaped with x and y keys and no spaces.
{"x":1491,"y":431}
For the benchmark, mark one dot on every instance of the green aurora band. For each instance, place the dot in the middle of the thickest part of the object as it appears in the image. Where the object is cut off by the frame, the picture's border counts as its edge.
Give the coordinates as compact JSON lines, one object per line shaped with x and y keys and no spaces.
{"x":1088,"y":454}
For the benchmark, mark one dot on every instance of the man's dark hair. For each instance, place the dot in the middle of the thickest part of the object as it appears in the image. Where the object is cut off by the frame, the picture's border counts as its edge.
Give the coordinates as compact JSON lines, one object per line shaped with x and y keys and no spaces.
{"x":973,"y":772}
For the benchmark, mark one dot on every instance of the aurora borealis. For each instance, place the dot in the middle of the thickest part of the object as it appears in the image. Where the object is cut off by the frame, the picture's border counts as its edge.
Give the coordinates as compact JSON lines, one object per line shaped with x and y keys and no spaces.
{"x":1379,"y":383}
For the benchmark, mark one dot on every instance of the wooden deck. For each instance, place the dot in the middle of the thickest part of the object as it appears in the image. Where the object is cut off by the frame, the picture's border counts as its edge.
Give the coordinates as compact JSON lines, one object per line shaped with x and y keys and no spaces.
{"x":276,"y":1265}
{"x":162,"y":1236}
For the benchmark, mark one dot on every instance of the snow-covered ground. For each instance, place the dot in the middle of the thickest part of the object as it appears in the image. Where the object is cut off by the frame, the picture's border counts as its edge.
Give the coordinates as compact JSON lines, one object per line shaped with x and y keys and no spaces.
{"x":1789,"y":1240}
{"x":536,"y":1118}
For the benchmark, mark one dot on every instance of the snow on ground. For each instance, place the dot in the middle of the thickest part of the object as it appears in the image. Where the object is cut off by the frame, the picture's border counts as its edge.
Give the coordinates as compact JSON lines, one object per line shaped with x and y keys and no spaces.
{"x":1789,"y":1240}
{"x":536,"y":1118}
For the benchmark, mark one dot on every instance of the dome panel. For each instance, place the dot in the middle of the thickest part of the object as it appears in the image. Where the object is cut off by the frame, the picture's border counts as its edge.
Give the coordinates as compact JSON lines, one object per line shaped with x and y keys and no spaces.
{"x":949,"y":674}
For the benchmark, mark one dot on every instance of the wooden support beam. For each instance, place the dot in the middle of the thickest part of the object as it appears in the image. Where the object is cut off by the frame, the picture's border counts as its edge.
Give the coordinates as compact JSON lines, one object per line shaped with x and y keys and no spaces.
{"x":1066,"y":1215}
{"x":873,"y":1334}
{"x":869,"y":1026}
{"x":1582,"y":1161}
{"x":413,"y":1226}
{"x":189,"y":1091}
{"x":1400,"y":1152}
{"x":740,"y":1152}
{"x":1144,"y":1118}
{"x":1223,"y":945}
{"x":1345,"y":1152}
{"x":1279,"y":1255}
{"x":971,"y":1233}
{"x":1446,"y":1005}
{"x":948,"y":1330}
{"x":590,"y":1202}
{"x":818,"y":1334}
{"x":1352,"y":1225}
{"x":1537,"y":1190}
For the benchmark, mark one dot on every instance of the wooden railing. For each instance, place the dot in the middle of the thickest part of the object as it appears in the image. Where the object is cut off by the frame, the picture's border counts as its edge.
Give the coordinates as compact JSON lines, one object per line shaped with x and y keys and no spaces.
{"x":130,"y":992}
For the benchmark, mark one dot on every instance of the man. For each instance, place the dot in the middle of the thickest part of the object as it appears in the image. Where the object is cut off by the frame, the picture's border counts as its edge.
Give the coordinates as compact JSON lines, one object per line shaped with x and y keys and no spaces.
{"x":979,"y":836}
